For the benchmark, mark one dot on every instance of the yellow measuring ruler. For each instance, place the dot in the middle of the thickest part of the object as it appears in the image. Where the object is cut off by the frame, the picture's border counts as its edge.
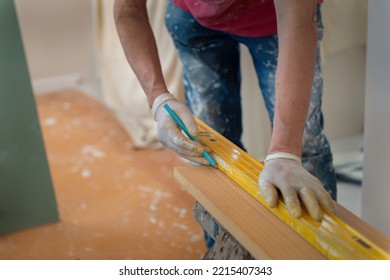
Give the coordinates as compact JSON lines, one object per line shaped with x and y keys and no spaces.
{"x":334,"y":238}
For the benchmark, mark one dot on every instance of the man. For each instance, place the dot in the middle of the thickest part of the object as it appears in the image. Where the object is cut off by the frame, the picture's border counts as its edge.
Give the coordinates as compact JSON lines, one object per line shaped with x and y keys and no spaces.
{"x":281,"y":36}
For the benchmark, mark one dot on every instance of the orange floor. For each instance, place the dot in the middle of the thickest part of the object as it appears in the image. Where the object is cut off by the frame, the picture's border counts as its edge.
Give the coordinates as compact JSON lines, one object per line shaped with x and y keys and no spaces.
{"x":115,"y":202}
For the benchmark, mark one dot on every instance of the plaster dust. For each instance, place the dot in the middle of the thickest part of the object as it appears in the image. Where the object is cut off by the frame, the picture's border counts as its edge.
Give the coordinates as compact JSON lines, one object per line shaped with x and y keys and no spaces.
{"x":115,"y":202}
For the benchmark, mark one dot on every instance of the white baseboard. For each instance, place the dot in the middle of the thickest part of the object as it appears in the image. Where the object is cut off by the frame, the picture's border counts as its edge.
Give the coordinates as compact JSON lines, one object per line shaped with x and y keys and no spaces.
{"x":55,"y":83}
{"x":76,"y":81}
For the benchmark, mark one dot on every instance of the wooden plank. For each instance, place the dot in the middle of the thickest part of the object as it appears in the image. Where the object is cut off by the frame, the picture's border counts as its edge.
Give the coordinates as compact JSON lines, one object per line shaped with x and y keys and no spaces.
{"x":263,"y":234}
{"x":363,"y":227}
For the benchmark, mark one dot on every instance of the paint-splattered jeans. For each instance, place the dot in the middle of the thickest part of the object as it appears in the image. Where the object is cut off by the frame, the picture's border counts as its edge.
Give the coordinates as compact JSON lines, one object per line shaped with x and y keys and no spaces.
{"x":211,"y":75}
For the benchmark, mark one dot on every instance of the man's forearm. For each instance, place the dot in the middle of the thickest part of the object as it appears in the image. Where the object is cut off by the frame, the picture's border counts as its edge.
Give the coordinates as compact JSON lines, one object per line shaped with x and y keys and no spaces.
{"x":138,"y":42}
{"x":297,"y":33}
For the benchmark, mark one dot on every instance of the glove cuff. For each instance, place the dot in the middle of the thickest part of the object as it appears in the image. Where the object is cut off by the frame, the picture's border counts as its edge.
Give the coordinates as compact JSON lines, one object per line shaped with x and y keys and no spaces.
{"x":159,"y":101}
{"x":282,"y":155}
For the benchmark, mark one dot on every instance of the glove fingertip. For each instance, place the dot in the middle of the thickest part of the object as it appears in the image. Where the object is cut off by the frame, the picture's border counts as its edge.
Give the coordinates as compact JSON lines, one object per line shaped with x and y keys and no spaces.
{"x":326,"y":202}
{"x":317,"y":216}
{"x":199,"y":160}
{"x":293,"y":206}
{"x":315,"y":212}
{"x":268,"y":192}
{"x":272,"y":202}
{"x":296,"y":212}
{"x":330,"y":207}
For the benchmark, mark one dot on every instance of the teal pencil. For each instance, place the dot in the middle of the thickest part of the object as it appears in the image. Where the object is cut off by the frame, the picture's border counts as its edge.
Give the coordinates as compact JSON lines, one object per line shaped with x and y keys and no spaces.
{"x":184,"y":128}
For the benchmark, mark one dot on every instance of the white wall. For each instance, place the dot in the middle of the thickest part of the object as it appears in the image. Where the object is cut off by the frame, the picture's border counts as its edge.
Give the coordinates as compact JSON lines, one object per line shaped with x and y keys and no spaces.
{"x":343,"y":100}
{"x":58,"y":39}
{"x":376,"y":189}
{"x":344,"y":51}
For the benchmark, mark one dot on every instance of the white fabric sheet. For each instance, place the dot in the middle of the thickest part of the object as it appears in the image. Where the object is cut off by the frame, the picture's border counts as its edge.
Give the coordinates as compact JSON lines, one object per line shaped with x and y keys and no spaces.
{"x":120,"y":88}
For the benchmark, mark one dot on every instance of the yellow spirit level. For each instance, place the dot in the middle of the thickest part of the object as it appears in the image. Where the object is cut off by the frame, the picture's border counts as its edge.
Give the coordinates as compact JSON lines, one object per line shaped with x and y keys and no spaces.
{"x":332,"y":236}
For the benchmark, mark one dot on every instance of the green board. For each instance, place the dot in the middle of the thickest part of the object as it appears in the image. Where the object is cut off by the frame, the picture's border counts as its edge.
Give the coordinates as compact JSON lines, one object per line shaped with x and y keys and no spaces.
{"x":26,"y":191}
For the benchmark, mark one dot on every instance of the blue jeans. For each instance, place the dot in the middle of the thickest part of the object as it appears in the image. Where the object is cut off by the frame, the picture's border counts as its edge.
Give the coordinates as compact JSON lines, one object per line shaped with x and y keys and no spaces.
{"x":211,"y":76}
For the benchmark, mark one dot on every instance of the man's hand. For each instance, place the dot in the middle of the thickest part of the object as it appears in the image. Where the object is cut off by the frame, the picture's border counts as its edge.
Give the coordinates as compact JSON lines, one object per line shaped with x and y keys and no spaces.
{"x":285,"y":172}
{"x":170,"y":134}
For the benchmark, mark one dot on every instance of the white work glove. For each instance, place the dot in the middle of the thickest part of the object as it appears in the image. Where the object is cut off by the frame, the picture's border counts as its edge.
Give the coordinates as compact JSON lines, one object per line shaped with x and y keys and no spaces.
{"x":285,"y":172}
{"x":170,"y":134}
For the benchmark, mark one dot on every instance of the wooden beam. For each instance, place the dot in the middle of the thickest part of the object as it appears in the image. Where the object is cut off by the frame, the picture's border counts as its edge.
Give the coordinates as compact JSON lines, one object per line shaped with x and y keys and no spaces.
{"x":258,"y":230}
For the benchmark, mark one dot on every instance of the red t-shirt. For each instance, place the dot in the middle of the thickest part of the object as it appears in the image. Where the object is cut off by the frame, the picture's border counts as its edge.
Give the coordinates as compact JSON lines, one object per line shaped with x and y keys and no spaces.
{"x":250,"y":18}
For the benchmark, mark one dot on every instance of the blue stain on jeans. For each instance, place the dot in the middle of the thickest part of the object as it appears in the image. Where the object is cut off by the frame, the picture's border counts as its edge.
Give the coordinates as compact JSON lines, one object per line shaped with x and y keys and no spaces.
{"x":211,"y":74}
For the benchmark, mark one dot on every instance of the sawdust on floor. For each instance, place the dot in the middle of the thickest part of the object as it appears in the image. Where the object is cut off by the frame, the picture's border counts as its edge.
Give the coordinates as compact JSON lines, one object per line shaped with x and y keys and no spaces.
{"x":115,"y":202}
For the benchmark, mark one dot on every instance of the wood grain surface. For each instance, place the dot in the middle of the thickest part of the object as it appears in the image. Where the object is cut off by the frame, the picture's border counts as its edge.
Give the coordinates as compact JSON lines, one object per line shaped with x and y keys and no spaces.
{"x":261,"y":232}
